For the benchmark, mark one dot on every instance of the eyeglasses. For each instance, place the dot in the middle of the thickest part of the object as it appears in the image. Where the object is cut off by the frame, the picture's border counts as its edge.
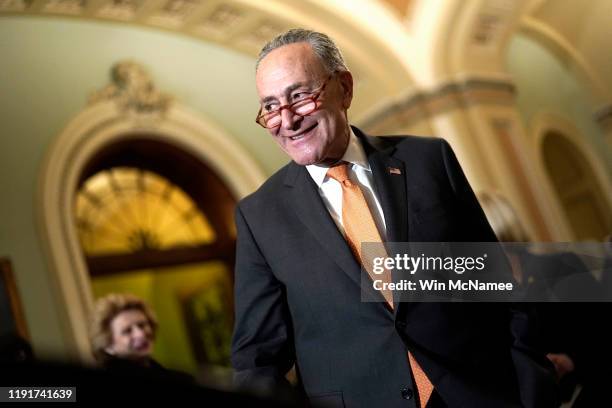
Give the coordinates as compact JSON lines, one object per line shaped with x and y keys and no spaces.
{"x":303,"y":107}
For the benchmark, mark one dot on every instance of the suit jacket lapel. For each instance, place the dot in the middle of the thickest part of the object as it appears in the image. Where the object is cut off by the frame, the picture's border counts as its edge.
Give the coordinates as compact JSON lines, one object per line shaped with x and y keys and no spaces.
{"x":391,"y":190}
{"x":305,"y":200}
{"x":390,"y":186}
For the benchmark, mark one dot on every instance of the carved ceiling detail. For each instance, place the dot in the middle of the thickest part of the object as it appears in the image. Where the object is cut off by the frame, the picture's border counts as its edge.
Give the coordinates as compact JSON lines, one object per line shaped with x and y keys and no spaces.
{"x":239,"y":25}
{"x":133,"y":90}
{"x":231,"y":23}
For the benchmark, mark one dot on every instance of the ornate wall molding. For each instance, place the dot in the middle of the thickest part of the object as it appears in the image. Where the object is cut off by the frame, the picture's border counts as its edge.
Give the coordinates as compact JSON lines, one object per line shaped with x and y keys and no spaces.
{"x":230,"y":22}
{"x":133,"y":90}
{"x":416,"y":106}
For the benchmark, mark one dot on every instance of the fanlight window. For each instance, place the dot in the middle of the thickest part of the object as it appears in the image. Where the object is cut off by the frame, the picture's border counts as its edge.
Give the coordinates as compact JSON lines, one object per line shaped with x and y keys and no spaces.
{"x":125,"y":210}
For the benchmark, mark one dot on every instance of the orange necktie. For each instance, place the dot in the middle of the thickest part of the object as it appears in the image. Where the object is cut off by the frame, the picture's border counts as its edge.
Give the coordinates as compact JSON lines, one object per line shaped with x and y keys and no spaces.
{"x":359,"y":226}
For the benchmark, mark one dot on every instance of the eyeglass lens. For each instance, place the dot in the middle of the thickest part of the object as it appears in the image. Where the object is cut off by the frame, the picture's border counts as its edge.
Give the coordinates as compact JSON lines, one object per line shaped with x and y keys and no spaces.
{"x":301,"y":108}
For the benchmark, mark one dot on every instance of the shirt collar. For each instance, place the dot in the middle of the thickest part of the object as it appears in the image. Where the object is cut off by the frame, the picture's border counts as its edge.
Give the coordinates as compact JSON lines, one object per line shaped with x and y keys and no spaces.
{"x":354,"y":154}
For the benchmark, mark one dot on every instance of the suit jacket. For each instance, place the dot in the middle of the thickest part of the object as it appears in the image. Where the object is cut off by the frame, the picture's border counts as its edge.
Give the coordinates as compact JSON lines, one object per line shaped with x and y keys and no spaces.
{"x":298,"y":297}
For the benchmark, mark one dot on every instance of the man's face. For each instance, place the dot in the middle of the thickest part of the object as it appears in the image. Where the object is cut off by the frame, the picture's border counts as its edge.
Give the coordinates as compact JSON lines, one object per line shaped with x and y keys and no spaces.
{"x":132,"y":335}
{"x":290,"y":73}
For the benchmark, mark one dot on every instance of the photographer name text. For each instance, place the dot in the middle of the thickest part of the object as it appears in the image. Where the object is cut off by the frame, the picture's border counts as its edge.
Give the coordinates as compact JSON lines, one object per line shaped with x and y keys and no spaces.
{"x":438,"y":286}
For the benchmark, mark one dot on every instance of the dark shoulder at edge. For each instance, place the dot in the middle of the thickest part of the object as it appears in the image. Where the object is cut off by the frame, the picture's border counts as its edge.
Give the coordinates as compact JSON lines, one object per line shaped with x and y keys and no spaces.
{"x":271,"y":185}
{"x":409,"y":143}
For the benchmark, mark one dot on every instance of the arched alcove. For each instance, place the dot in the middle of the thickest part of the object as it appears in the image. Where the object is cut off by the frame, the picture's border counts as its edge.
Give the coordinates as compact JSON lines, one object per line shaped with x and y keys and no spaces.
{"x":156,"y":222}
{"x":72,"y":155}
{"x":575,"y":183}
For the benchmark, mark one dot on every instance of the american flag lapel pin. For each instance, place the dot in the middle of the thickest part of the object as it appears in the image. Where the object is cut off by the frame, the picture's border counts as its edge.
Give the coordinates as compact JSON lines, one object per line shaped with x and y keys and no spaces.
{"x":394,"y":170}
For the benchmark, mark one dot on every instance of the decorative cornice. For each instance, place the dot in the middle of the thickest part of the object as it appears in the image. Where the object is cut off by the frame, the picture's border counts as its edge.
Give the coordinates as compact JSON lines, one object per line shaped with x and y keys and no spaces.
{"x":413,"y":107}
{"x":232,"y":23}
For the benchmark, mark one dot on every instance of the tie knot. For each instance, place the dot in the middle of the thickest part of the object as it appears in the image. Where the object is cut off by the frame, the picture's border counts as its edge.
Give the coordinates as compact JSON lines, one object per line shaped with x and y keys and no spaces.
{"x":339,"y":172}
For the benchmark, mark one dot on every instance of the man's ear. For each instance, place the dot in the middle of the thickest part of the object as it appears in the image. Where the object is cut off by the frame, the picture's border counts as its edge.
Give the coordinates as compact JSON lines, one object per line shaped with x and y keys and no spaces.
{"x":346,"y":82}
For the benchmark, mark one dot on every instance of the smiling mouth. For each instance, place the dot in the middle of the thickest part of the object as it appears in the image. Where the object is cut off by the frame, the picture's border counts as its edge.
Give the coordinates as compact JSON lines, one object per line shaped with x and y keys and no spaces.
{"x":302,"y":134}
{"x":142,"y":346}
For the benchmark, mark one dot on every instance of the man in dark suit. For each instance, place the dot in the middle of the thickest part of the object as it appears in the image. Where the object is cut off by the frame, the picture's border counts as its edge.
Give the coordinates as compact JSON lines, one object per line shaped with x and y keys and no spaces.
{"x":297,"y":278}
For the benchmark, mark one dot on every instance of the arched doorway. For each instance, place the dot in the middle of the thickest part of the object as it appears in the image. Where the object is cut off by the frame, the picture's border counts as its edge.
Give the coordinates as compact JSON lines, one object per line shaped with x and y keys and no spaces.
{"x":78,"y":153}
{"x":156,"y":222}
{"x":575,"y":184}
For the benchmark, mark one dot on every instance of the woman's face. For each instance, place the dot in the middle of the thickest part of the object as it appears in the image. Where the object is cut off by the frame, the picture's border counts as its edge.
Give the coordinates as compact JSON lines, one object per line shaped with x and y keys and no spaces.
{"x":132,"y":335}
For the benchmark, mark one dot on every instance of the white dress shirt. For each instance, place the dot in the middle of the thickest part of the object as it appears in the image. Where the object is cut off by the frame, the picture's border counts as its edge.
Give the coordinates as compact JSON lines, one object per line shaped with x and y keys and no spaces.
{"x":359,"y":172}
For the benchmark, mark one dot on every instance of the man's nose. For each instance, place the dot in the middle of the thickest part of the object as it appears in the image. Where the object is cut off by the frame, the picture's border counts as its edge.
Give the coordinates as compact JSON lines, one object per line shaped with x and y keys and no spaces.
{"x":289,"y":119}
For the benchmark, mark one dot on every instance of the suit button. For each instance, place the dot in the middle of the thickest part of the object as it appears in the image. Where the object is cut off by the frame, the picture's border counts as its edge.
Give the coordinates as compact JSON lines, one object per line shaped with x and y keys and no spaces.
{"x":401,"y":325}
{"x":407,"y":393}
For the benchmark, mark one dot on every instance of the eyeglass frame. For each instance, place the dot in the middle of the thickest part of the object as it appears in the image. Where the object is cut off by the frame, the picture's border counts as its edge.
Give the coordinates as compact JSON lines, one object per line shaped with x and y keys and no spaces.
{"x":316,"y":94}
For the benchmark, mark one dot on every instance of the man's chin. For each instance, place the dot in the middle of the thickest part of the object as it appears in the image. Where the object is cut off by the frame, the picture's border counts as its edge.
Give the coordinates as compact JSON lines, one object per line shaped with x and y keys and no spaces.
{"x":305,"y":162}
{"x":303,"y":159}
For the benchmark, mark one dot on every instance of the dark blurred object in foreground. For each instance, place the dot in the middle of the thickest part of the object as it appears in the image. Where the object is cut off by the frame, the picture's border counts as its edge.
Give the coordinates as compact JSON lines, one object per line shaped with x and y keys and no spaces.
{"x":96,"y":385}
{"x":14,"y":349}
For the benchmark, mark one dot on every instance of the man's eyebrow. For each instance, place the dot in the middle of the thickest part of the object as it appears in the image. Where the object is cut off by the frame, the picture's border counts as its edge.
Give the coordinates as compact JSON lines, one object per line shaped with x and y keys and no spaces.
{"x":287,"y":91}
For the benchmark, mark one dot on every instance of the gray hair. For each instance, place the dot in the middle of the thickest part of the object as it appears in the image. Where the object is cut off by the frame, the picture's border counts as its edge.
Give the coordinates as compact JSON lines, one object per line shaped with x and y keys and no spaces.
{"x":321,"y":44}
